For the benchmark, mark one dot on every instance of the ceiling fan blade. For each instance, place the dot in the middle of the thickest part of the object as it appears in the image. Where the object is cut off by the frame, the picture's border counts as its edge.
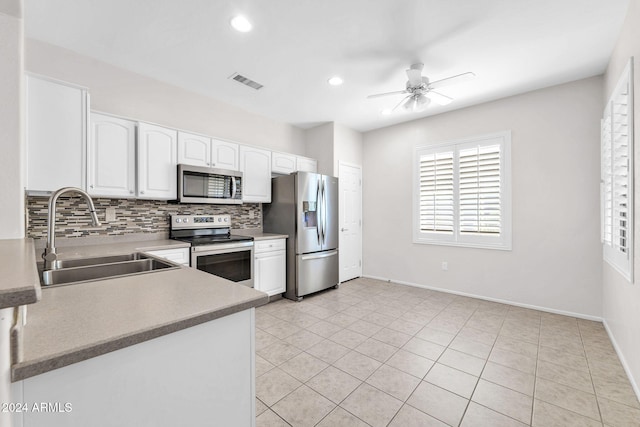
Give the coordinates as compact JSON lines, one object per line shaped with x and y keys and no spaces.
{"x":438,"y":98}
{"x":378,"y":95}
{"x":415,"y":76}
{"x":459,"y":78}
{"x":401,"y":102}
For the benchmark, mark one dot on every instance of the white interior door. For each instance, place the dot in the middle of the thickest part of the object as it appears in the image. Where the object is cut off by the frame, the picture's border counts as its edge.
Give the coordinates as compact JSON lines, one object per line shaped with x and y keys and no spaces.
{"x":350,"y":206}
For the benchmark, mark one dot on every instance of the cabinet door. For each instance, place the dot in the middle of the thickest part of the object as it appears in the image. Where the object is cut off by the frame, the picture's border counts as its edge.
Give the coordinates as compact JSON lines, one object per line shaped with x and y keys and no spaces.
{"x":179,"y":255}
{"x":224,"y":155}
{"x":283,"y":163}
{"x":305,"y":164}
{"x":194,"y":149}
{"x":157,"y":162}
{"x":270,"y":272}
{"x":56,"y":135}
{"x":255,"y":165}
{"x":111,"y":157}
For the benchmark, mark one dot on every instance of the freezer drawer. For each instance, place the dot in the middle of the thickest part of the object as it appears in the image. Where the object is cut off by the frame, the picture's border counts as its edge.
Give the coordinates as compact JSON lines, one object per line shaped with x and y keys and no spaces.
{"x":315,"y":272}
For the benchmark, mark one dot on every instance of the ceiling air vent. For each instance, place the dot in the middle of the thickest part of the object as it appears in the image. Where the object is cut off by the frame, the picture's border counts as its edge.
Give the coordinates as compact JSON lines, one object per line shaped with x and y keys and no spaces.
{"x":245,"y":81}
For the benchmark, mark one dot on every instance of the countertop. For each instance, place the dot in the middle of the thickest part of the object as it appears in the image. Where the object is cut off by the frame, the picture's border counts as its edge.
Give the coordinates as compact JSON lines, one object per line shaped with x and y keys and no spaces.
{"x":20,"y":284}
{"x":77,"y":322}
{"x":258,"y":234}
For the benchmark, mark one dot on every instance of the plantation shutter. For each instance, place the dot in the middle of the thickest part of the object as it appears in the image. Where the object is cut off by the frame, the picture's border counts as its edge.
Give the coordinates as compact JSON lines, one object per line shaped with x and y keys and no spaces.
{"x":620,"y":171}
{"x":436,"y":192}
{"x":606,"y":179}
{"x":479,"y":190}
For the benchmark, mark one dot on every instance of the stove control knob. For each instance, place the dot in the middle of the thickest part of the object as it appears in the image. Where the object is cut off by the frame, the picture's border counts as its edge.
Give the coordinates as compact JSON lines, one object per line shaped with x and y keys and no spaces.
{"x":185,"y":220}
{"x":178,"y":220}
{"x":226,"y":220}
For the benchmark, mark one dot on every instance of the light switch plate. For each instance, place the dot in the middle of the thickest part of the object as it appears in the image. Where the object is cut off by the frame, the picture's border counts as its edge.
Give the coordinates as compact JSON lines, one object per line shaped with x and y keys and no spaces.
{"x":110,"y":214}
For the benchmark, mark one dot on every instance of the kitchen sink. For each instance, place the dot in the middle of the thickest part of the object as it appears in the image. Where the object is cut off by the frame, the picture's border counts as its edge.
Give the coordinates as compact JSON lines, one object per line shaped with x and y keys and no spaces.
{"x":67,"y":272}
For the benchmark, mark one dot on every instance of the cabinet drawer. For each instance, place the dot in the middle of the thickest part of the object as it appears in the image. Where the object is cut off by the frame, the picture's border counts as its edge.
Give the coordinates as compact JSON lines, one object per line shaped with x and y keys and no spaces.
{"x":261,"y":246}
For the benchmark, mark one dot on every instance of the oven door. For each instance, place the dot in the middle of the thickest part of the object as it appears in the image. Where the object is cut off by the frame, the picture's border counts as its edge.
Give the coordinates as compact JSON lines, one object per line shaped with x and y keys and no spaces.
{"x":231,"y":261}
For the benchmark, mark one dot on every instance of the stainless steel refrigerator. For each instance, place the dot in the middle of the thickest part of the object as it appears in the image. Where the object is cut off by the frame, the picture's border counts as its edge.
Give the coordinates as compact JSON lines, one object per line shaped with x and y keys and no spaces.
{"x":305,"y":206}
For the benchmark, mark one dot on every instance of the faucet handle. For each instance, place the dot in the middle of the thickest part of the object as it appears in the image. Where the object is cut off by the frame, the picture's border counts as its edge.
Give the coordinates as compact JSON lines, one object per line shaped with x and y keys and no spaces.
{"x":49,"y":256}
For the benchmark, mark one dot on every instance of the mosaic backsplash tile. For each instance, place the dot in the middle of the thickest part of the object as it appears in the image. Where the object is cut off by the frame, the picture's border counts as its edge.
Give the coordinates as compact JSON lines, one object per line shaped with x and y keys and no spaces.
{"x":132,"y":216}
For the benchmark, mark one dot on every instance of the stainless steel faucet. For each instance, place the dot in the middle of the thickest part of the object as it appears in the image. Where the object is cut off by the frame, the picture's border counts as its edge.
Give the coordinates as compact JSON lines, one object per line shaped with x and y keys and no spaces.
{"x":50,"y":254}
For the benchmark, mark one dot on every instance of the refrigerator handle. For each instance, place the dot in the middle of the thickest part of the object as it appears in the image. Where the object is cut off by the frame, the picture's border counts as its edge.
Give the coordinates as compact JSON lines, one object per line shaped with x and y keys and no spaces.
{"x":318,"y":216}
{"x":324,"y":215}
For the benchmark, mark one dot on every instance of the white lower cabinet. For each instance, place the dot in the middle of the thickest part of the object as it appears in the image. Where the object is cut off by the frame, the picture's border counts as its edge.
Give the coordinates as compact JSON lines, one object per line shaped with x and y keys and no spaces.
{"x":178,"y":255}
{"x":270,"y":266}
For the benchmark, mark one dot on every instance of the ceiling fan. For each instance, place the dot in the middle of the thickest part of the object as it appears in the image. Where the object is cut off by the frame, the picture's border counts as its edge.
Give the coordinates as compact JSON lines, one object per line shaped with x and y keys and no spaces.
{"x":420,"y":91}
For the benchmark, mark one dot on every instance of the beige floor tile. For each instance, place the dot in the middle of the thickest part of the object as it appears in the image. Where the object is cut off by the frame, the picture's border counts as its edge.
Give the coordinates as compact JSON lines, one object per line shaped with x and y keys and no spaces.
{"x":348,"y":338}
{"x":445,"y":324}
{"x":303,"y":339}
{"x":260,"y":407}
{"x":340,"y":417}
{"x":463,"y":362}
{"x":610,"y":371}
{"x":274,"y":385}
{"x":264,"y":339}
{"x":324,"y":329}
{"x":341,"y":319}
{"x":303,"y":366}
{"x":618,"y":415}
{"x":509,"y":377}
{"x":408,"y":416}
{"x":452,"y":379}
{"x":394,"y":382}
{"x":356,"y":311}
{"x":568,"y":398}
{"x":563,"y":358}
{"x":263,"y":366}
{"x":378,"y":318}
{"x":469,"y":346}
{"x":620,"y":392}
{"x":405,"y":326}
{"x":513,"y":360}
{"x":303,"y":407}
{"x":521,"y":347}
{"x":503,"y":400}
{"x":410,"y":363}
{"x":391,"y":337}
{"x":269,"y":419}
{"x":334,"y":384}
{"x":266,"y":320}
{"x":435,"y":336}
{"x":365,"y":328}
{"x":376,"y":349}
{"x":328,"y":351}
{"x":357,"y":364}
{"x":531,"y":335}
{"x":424,"y":348}
{"x":485,"y":337}
{"x":372,"y":405}
{"x":278,"y":352}
{"x":561,"y":374}
{"x":418,"y":316}
{"x":438,"y":403}
{"x":569,"y":345}
{"x":283,"y":330}
{"x":548,"y":415}
{"x":478,"y":416}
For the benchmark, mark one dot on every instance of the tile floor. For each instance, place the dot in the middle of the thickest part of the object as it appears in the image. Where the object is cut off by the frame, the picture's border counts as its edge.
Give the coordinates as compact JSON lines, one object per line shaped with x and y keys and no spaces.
{"x":373,"y":353}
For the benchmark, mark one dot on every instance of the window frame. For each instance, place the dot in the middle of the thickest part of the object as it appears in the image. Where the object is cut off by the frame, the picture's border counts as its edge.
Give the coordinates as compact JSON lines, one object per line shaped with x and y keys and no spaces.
{"x":621,"y":262}
{"x":503,"y":241}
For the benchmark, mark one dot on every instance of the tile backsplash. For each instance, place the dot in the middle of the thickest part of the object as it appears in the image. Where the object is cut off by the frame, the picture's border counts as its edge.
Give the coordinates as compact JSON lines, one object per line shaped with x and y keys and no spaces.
{"x":132,"y":216}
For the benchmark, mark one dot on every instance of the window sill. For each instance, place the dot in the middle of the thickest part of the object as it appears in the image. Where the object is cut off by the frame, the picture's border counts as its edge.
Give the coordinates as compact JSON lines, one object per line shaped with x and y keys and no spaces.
{"x":498,"y":247}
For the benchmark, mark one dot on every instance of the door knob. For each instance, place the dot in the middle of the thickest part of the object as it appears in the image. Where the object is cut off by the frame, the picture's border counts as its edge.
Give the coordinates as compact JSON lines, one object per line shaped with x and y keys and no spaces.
{"x":344,"y":229}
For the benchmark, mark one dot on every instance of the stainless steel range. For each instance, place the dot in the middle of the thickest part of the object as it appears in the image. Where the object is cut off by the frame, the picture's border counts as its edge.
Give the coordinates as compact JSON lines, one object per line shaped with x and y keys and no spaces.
{"x":213,"y":248}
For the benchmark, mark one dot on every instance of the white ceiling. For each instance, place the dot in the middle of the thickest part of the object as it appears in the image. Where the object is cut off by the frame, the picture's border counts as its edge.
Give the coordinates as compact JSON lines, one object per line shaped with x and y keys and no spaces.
{"x":513,"y":46}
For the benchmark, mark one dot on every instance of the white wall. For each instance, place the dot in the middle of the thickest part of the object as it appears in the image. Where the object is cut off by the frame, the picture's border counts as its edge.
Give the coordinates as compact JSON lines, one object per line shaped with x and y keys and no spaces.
{"x":621,"y":299}
{"x":347,"y":147}
{"x":319,"y":145}
{"x":121,"y":92}
{"x":556,"y":258}
{"x":11,"y":170}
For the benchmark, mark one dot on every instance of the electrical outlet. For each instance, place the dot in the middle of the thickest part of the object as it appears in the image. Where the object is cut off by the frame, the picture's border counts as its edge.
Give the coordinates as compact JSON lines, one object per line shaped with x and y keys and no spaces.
{"x":445,"y":265}
{"x":252,"y":214}
{"x":110,"y":214}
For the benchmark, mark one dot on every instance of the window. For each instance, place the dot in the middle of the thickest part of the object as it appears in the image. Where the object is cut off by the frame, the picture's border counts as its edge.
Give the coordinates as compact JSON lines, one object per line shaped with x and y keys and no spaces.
{"x":616,"y":162}
{"x":462,"y":192}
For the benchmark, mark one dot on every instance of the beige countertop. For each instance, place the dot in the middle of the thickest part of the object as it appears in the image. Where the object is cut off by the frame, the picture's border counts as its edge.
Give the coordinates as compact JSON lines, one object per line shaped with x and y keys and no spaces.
{"x":257,"y":234}
{"x":20,"y":284}
{"x":77,"y":322}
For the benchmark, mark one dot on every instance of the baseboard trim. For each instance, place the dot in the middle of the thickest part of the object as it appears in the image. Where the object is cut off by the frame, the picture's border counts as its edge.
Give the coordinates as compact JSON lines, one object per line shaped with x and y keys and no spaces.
{"x":482,"y":297}
{"x":625,"y":365}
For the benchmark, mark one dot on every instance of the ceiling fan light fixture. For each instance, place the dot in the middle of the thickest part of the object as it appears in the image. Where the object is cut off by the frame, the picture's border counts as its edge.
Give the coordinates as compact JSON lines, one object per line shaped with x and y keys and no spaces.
{"x":416,"y":103}
{"x":241,"y":24}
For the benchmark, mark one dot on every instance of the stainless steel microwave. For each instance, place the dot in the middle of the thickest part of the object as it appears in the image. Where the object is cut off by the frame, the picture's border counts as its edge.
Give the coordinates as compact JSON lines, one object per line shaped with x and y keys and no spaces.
{"x":198,"y":184}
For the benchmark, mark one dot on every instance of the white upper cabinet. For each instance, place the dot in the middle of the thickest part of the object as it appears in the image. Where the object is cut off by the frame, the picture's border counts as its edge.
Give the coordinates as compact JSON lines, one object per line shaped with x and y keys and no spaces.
{"x":305,"y":164}
{"x":56,"y":135}
{"x":283,"y":163}
{"x":255,"y":165}
{"x":194,"y":149}
{"x":157,"y":161}
{"x":224,"y":155}
{"x":111,"y":157}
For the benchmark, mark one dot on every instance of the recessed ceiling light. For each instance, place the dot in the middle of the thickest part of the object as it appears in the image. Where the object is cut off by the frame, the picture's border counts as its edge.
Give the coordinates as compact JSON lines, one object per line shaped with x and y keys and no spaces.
{"x":386,"y":111}
{"x":335,"y":81}
{"x":242,"y":24}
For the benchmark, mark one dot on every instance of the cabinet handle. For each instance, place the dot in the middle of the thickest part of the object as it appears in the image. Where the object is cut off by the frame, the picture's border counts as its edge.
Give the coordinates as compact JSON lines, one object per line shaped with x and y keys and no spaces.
{"x":142,"y":192}
{"x":130,"y":191}
{"x":213,"y":164}
{"x":91,"y":186}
